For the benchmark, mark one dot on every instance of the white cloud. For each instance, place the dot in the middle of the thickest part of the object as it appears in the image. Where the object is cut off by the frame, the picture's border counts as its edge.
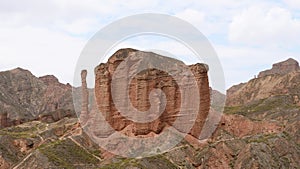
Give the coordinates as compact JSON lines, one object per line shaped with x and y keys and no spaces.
{"x":268,"y":27}
{"x":39,"y":50}
{"x":293,"y":3}
{"x":81,"y":26}
{"x":192,"y":16}
{"x":207,"y":23}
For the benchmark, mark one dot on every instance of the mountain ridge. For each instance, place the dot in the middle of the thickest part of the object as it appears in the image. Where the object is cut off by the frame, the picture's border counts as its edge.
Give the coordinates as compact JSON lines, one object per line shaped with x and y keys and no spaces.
{"x":282,"y":79}
{"x":25,"y":97}
{"x":255,"y":132}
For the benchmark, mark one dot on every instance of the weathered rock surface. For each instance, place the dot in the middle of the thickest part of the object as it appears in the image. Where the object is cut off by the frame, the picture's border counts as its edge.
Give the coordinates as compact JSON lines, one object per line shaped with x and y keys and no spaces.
{"x":24,"y":97}
{"x":281,"y":68}
{"x":142,"y":84}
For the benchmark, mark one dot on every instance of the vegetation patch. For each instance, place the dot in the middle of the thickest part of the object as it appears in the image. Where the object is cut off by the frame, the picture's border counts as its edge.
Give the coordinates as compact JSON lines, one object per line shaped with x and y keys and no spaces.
{"x":262,"y":138}
{"x":18,"y":134}
{"x":67,"y":154}
{"x":274,"y":103}
{"x":154,"y":162}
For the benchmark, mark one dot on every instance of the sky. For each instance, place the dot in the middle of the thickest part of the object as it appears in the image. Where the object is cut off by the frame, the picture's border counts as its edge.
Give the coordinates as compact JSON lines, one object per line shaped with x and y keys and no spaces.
{"x":47,"y":37}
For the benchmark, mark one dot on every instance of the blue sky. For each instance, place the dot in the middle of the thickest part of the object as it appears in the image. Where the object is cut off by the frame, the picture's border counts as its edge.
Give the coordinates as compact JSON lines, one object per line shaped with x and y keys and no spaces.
{"x":47,"y":37}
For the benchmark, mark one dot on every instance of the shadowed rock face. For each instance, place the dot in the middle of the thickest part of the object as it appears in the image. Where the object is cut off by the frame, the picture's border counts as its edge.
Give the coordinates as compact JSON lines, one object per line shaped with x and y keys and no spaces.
{"x":140,"y":87}
{"x":24,"y":97}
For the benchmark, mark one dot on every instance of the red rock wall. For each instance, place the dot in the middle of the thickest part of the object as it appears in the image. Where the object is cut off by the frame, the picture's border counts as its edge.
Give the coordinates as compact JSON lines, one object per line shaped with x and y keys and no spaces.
{"x":140,"y":87}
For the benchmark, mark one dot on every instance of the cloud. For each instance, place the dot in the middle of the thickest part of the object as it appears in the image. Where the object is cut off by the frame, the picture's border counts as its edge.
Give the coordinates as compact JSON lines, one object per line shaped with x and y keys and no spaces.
{"x":81,"y":26}
{"x":40,"y":50}
{"x":192,"y":16}
{"x":293,"y":3}
{"x":267,"y":27}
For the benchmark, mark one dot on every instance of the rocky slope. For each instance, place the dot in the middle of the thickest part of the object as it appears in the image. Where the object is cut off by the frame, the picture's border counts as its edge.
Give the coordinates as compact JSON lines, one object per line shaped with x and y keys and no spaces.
{"x":24,"y":97}
{"x":267,"y":109}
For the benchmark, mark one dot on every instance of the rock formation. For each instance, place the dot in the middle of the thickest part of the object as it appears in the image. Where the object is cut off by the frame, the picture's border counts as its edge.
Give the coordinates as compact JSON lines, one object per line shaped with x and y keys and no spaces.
{"x":140,"y":88}
{"x":282,"y":79}
{"x":281,"y":68}
{"x":85,"y":99}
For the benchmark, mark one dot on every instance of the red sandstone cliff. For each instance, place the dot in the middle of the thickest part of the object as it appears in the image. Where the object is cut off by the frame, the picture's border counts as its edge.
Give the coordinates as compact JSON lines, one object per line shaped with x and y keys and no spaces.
{"x":140,"y":88}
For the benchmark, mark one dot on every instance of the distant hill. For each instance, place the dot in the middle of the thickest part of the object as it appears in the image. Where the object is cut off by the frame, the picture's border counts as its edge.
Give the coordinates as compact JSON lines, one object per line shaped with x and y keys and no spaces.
{"x":266,"y":111}
{"x":282,"y":79}
{"x":24,"y":97}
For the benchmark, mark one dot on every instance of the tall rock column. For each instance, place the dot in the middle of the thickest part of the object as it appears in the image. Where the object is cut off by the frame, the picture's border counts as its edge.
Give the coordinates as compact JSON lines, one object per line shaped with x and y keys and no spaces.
{"x":85,"y":99}
{"x":200,"y":74}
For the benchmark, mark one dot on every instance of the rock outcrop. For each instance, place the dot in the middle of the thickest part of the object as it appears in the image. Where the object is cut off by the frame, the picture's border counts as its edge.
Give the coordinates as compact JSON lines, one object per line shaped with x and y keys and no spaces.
{"x":282,"y":79}
{"x":24,"y":97}
{"x":140,"y":88}
{"x":85,"y":99}
{"x":281,"y":68}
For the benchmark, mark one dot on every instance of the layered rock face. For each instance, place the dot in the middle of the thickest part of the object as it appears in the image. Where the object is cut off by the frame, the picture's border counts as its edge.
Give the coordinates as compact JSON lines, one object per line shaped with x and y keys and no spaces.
{"x":281,"y":68}
{"x":140,"y":88}
{"x":24,"y":97}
